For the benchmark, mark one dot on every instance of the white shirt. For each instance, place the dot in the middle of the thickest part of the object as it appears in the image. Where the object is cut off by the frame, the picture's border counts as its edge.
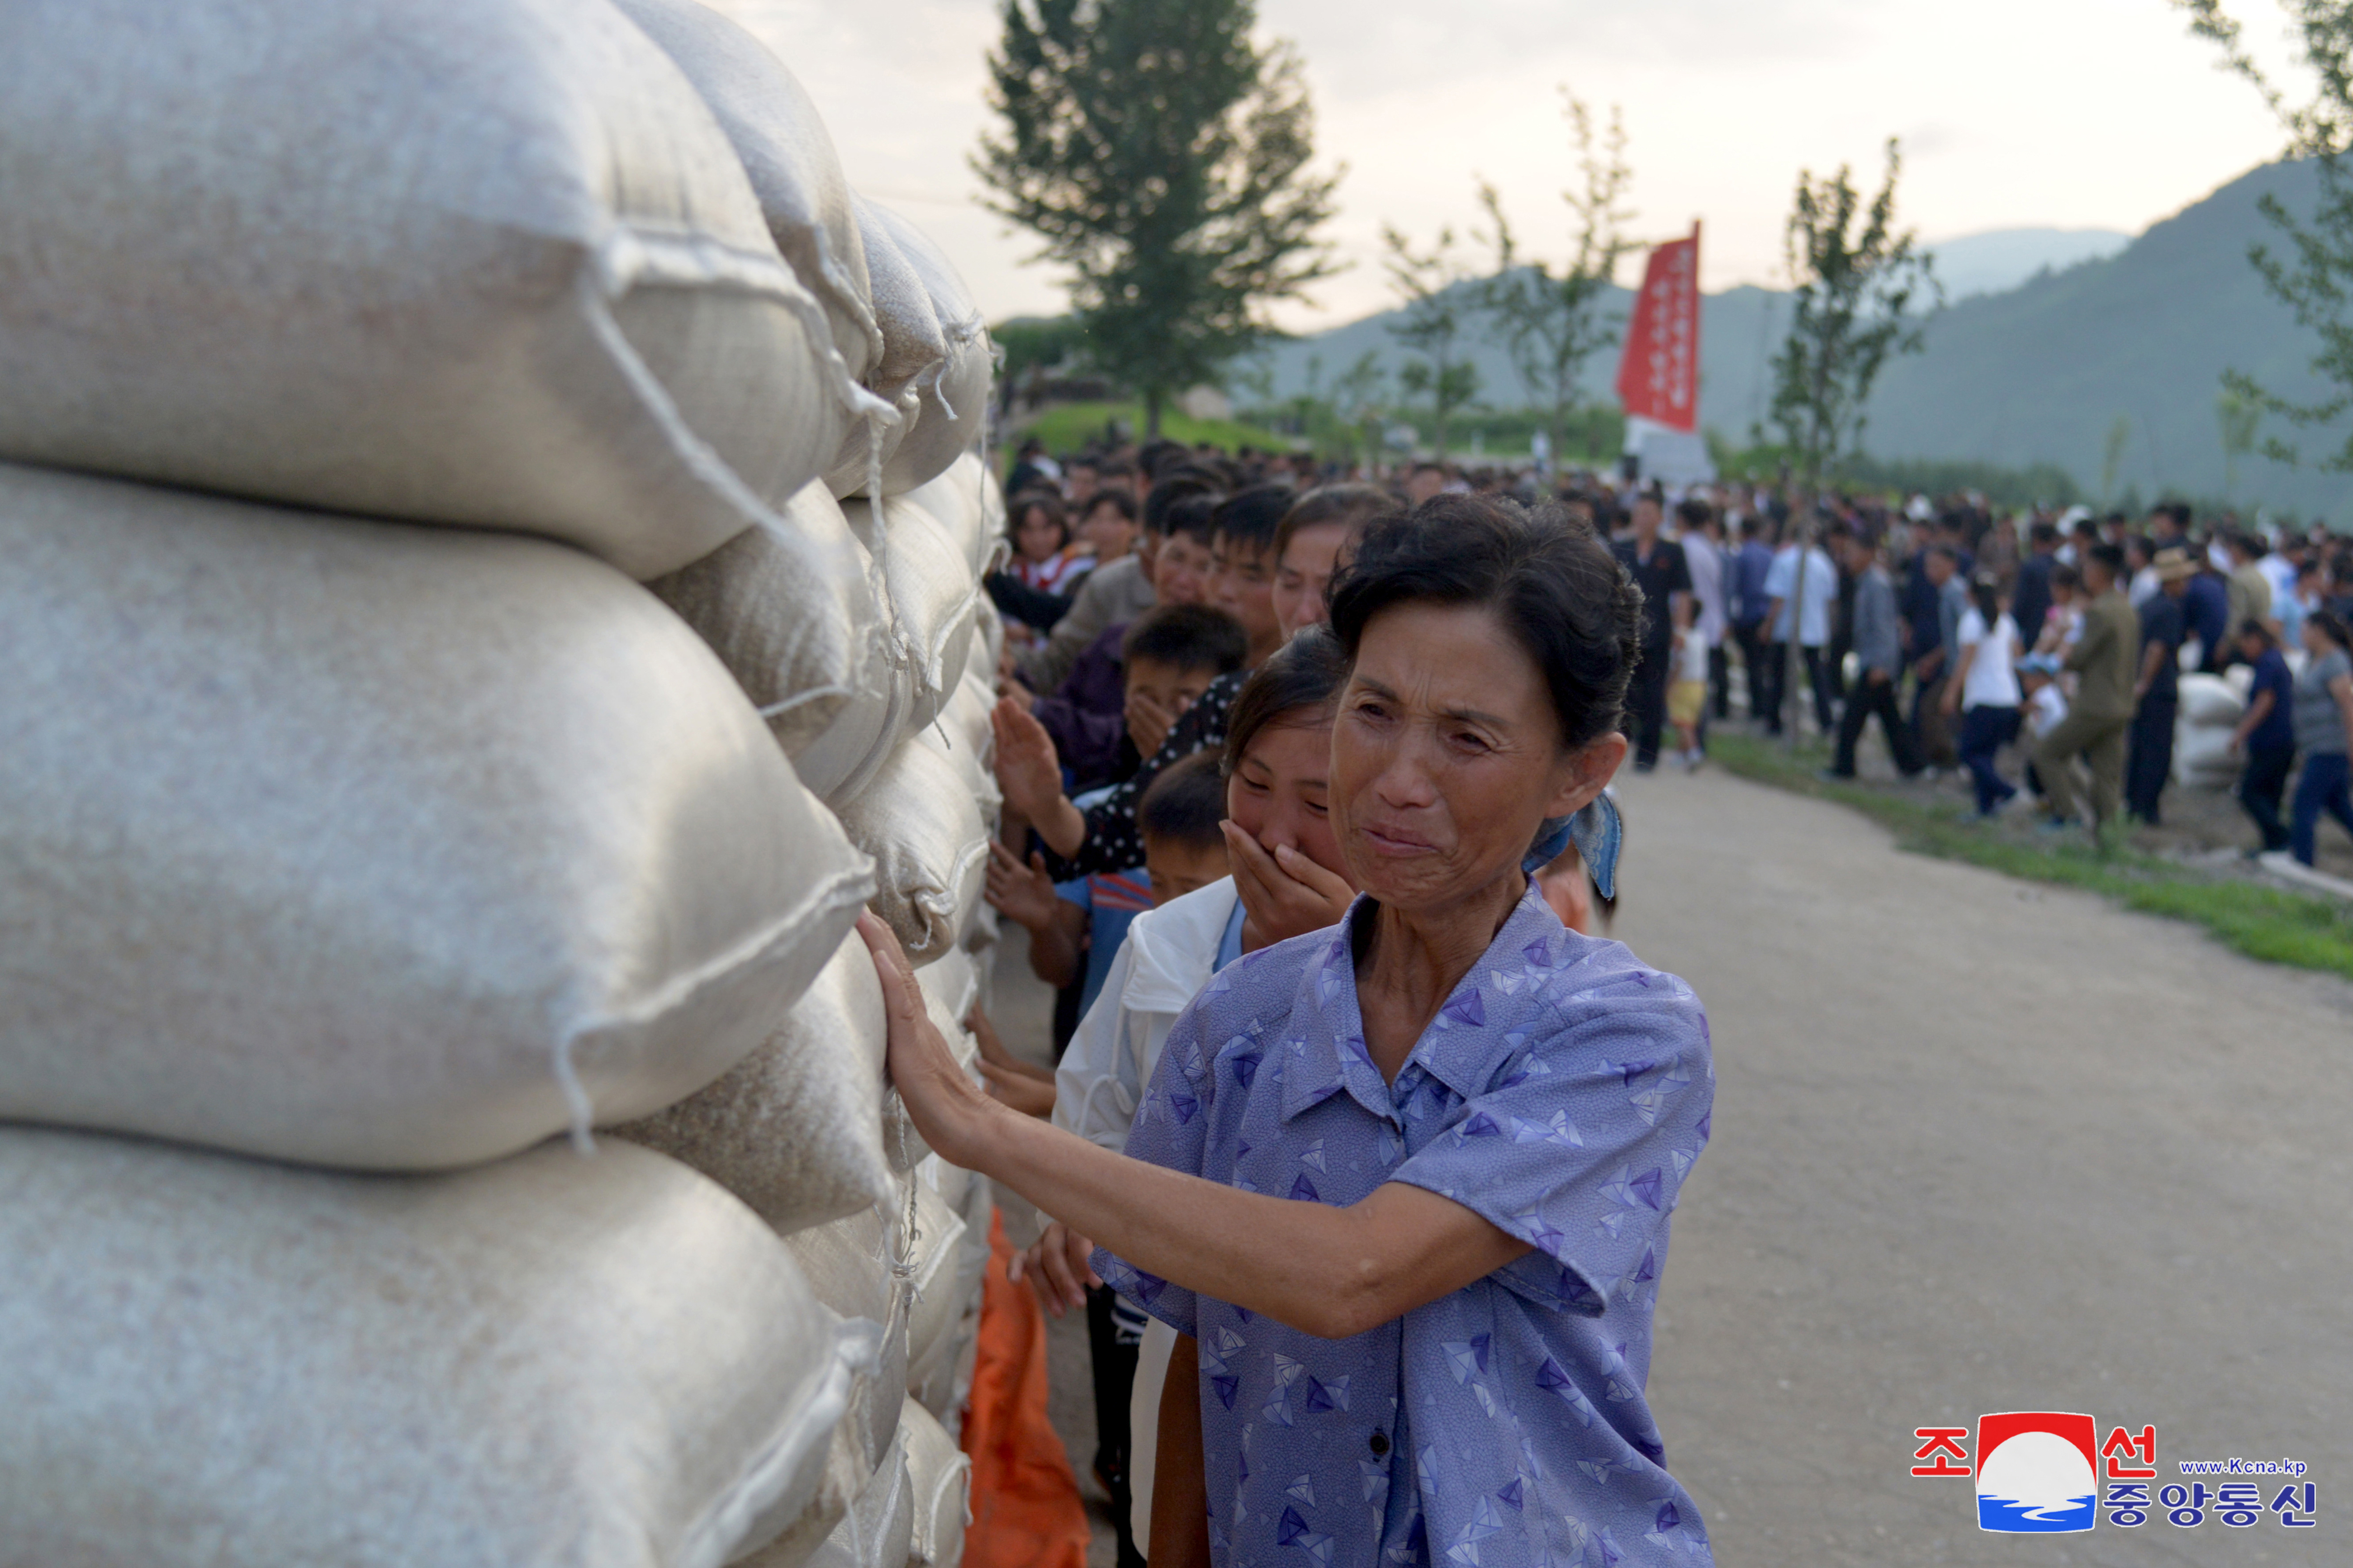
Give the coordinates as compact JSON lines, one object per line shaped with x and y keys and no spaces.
{"x":1993,"y":680}
{"x":2049,"y":707}
{"x":1706,"y":564}
{"x":1822,"y":589}
{"x":1166,"y":959}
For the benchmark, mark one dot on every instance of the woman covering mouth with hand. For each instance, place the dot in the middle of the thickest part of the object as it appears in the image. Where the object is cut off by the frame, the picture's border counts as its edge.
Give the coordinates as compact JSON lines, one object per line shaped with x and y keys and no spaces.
{"x":1402,"y":1184}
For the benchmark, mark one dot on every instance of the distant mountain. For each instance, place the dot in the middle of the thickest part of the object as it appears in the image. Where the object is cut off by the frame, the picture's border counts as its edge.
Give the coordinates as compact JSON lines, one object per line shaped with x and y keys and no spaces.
{"x":2038,"y":372}
{"x":1994,"y":263}
{"x":2044,"y":371}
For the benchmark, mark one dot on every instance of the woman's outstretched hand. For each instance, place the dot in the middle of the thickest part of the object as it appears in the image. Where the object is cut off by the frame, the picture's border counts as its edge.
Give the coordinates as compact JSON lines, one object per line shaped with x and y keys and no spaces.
{"x":1283,"y":894}
{"x":946,"y":1106}
{"x":1057,"y":1267}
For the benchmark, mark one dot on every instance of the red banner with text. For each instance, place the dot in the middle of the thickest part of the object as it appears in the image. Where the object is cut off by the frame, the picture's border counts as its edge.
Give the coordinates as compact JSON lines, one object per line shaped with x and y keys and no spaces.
{"x":1659,"y":377}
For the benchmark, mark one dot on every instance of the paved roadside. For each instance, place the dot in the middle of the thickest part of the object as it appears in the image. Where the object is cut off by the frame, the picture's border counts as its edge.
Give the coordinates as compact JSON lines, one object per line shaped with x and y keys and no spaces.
{"x":1982,"y":1146}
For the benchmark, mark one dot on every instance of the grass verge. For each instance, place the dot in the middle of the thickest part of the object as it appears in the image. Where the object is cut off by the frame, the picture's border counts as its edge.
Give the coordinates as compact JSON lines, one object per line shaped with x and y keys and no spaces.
{"x":2303,"y":931}
{"x":1072,"y":425}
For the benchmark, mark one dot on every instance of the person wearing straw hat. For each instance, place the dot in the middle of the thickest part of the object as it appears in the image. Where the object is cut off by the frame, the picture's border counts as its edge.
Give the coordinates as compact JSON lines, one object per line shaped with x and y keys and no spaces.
{"x":2156,"y":691}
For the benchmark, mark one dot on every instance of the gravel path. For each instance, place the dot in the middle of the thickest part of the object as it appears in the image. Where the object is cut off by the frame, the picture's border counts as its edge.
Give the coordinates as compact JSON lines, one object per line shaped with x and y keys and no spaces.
{"x":1982,"y":1146}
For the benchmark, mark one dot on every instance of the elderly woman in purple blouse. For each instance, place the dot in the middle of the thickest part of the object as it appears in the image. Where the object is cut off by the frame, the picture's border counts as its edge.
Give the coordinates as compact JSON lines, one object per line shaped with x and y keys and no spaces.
{"x":1403,"y":1184}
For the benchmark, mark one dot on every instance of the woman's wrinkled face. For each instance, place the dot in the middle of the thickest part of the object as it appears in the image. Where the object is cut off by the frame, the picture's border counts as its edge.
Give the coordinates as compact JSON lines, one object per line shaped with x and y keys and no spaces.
{"x":1281,"y":795}
{"x":1446,"y":757}
{"x":1305,"y":570}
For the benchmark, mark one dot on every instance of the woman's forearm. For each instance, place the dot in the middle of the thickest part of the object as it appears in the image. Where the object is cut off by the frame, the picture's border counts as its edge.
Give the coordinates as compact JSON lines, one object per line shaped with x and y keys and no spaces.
{"x":1322,"y":1269}
{"x":1178,"y":1533}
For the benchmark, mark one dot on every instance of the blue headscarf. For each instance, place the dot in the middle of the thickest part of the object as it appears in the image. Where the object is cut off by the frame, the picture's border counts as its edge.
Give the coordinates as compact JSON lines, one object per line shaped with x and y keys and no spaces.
{"x":1597,"y":833}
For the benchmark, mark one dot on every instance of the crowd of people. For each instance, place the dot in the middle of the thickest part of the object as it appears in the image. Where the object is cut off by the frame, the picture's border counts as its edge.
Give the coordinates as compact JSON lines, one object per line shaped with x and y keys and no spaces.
{"x":1184,"y":685}
{"x":2040,"y":653}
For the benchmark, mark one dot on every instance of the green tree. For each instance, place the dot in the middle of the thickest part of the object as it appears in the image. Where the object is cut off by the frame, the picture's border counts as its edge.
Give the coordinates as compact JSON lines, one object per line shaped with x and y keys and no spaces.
{"x":1032,"y":345}
{"x":1161,"y":156}
{"x":1360,"y":407}
{"x":2111,"y":454}
{"x":1553,"y":323}
{"x":2237,"y":415}
{"x":1440,"y":309}
{"x":1857,"y":282}
{"x":2313,"y":275}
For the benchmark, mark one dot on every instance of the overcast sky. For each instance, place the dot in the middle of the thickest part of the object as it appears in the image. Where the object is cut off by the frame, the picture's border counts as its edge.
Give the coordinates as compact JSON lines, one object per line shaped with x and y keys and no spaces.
{"x":2013,"y":114}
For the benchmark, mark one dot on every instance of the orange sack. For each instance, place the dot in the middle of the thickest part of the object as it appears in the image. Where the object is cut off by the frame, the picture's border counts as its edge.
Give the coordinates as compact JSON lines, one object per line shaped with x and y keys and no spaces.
{"x":1026,"y":1511}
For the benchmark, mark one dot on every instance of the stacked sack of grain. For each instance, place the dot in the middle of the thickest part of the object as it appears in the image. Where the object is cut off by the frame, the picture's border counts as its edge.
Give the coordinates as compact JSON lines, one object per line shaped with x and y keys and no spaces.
{"x":2211,"y":707}
{"x":351,"y":856}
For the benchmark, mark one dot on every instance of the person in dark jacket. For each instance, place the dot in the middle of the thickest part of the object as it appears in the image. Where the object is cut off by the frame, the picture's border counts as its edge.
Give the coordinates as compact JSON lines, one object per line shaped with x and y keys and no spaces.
{"x":2029,"y":600}
{"x":1879,"y":649}
{"x":1659,"y":568}
{"x":2156,"y":691}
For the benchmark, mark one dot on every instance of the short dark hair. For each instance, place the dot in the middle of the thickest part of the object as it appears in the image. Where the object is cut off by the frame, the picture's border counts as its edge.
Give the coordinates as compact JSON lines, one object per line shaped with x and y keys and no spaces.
{"x":1194,"y":516}
{"x":1171,"y":488}
{"x":1548,"y":578}
{"x":1305,"y":673}
{"x":2250,"y":627}
{"x":1249,"y":518}
{"x":1118,"y":501}
{"x":2110,"y":556}
{"x":1184,"y":803}
{"x":1694,"y":512}
{"x":1188,"y":636}
{"x":1350,"y":505}
{"x":2043,"y":533}
{"x":2066,"y":576}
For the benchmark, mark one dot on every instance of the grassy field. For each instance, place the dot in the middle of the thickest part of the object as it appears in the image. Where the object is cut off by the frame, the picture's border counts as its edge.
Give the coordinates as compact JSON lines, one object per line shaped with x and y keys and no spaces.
{"x":2303,"y":930}
{"x":1072,"y":425}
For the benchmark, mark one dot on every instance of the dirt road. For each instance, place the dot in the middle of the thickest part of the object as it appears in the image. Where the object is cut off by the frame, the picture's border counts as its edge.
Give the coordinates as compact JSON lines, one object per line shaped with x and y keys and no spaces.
{"x":1979,"y":1147}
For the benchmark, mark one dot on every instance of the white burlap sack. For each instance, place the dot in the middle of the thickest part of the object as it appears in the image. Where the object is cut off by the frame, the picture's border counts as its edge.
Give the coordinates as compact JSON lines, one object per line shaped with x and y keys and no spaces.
{"x":796,"y":1129}
{"x":776,"y":131}
{"x":794,"y":608}
{"x":940,"y":1476}
{"x":880,"y":1532}
{"x":920,"y":822}
{"x":2209,"y":701}
{"x":2202,"y":756}
{"x":367,"y":845}
{"x":915,"y":348}
{"x":782,"y":140}
{"x":606,"y":1363}
{"x":939,"y":1294}
{"x":952,"y":409}
{"x":466,"y":261}
{"x":965,"y":504}
{"x":962,"y":733}
{"x":854,"y":1267}
{"x":935,"y":599}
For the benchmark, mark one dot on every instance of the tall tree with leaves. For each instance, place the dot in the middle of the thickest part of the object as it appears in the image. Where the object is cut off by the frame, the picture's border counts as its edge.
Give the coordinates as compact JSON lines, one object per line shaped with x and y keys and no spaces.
{"x":1554,"y":321}
{"x":1859,"y":283}
{"x":1162,"y":156}
{"x":2315,"y":276}
{"x":1440,"y":313}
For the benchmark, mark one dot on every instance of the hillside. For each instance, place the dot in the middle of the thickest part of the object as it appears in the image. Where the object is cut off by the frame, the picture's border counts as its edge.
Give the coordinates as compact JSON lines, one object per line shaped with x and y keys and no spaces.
{"x":2039,"y":372}
{"x":2045,"y":370}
